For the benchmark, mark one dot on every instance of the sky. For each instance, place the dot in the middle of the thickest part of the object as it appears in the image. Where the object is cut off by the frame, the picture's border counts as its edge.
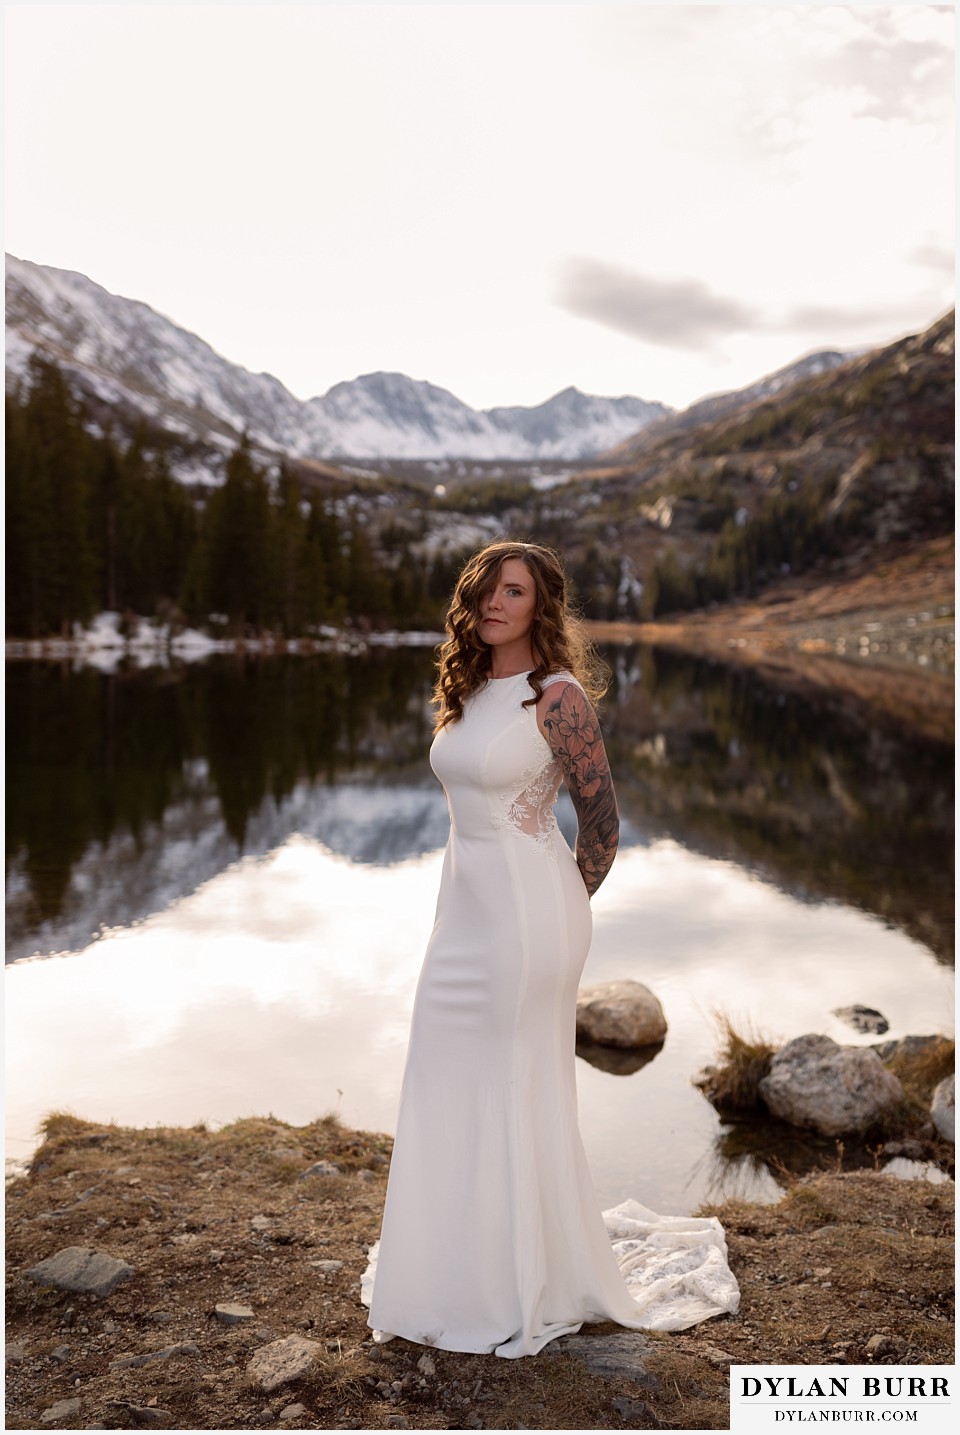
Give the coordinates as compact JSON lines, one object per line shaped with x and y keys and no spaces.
{"x":503,"y":199}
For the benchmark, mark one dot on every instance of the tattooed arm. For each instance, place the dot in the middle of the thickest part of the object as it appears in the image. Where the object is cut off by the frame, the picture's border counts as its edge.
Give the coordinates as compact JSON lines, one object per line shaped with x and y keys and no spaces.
{"x":570,"y":725}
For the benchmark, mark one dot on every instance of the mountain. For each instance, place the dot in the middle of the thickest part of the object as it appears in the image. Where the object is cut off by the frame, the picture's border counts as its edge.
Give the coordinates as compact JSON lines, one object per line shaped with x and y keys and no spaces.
{"x":717,"y":406}
{"x":123,"y":355}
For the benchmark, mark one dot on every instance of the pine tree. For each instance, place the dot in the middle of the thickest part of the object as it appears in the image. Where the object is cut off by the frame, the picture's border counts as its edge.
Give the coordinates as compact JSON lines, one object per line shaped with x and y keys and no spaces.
{"x":237,"y":521}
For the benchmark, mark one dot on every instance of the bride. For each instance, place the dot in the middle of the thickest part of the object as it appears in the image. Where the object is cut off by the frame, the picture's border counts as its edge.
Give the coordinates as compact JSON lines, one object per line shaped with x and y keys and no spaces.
{"x":492,"y":1236}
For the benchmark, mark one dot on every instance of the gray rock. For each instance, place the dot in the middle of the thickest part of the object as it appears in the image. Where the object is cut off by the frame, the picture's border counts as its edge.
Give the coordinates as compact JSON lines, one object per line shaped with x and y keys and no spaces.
{"x":865,"y":1019}
{"x":624,"y":1014}
{"x":882,"y":1345}
{"x":614,"y":1357}
{"x":133,"y":1362}
{"x":943,"y":1108}
{"x":427,"y":1365}
{"x":907,"y":1046}
{"x":281,"y":1361}
{"x":630,"y":1409}
{"x":293,"y":1412}
{"x":232,"y":1314}
{"x":717,"y":1357}
{"x":327,"y":1268}
{"x":837,"y":1090}
{"x":77,"y":1268}
{"x":320,"y":1168}
{"x":260,"y":1223}
{"x":63,"y":1410}
{"x":14,"y":1354}
{"x":143,"y":1416}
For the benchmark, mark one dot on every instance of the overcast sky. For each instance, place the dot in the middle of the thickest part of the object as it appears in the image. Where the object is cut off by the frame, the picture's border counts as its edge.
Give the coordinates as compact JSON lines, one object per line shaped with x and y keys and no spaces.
{"x":504,"y":199}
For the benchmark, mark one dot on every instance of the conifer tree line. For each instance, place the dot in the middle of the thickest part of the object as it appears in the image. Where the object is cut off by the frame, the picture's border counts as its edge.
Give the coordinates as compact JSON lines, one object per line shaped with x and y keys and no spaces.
{"x":94,"y":523}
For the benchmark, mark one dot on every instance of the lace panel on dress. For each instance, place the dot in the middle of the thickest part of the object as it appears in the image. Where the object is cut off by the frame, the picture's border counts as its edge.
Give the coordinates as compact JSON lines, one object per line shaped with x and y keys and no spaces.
{"x":529,"y":811}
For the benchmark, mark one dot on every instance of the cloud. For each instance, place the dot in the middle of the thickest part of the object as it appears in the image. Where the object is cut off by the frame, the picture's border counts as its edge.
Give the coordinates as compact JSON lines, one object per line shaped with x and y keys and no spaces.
{"x":673,"y":313}
{"x":933,"y":256}
{"x":838,"y":320}
{"x":897,"y":74}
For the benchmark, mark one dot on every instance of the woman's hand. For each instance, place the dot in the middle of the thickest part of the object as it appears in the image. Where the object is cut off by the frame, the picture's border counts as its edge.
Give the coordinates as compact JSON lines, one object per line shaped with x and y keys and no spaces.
{"x":570,"y":725}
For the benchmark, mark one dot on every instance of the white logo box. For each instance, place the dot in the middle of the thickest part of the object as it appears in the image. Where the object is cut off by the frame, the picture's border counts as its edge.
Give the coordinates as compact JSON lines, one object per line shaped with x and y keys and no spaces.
{"x":768,"y":1398}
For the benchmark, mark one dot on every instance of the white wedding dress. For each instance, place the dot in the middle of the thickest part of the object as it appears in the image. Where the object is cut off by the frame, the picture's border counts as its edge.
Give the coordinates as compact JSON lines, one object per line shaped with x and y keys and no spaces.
{"x":492,"y":1236}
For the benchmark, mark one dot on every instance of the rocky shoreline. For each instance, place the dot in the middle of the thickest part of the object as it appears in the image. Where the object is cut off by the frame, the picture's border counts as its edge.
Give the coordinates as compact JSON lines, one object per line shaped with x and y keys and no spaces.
{"x":234,"y":1300}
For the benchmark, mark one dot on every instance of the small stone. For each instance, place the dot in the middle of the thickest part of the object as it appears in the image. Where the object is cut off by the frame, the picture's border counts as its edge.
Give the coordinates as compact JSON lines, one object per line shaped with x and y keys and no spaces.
{"x":427,"y":1365}
{"x":327,"y":1268}
{"x":320,"y":1168}
{"x":15,"y":1354}
{"x":215,"y":1257}
{"x":943,"y":1108}
{"x":133,"y":1362}
{"x":364,"y":1175}
{"x":77,"y":1268}
{"x":232,"y":1314}
{"x":62,"y":1354}
{"x":281,"y":1361}
{"x":717,"y":1357}
{"x":630,"y":1409}
{"x":143,"y":1416}
{"x":63,"y":1410}
{"x":293,"y":1412}
{"x":880,"y":1345}
{"x":260,"y":1223}
{"x":397,"y":1422}
{"x":864,"y":1019}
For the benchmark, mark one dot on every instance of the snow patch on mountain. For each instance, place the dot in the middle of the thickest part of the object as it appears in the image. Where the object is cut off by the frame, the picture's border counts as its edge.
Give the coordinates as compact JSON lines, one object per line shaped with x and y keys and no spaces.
{"x":122,"y":353}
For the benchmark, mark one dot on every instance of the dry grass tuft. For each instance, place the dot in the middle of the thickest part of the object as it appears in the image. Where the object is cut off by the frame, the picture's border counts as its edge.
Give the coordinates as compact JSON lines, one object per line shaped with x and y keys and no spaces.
{"x":743,"y":1062}
{"x":921,"y":1071}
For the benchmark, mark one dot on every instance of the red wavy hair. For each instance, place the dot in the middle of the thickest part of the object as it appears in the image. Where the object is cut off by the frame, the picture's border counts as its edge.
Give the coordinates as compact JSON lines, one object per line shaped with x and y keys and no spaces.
{"x":558,"y":638}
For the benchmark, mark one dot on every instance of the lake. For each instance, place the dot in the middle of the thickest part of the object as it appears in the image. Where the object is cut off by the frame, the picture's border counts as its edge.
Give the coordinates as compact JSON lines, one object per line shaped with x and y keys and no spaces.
{"x":221,"y":877}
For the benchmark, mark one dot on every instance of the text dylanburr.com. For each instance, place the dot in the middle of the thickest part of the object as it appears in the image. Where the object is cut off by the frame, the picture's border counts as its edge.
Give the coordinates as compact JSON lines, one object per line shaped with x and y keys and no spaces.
{"x":765,"y":1398}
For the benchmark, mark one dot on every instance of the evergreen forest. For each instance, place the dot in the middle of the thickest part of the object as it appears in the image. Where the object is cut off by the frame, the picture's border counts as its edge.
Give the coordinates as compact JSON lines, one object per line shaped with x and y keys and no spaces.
{"x":96,"y":522}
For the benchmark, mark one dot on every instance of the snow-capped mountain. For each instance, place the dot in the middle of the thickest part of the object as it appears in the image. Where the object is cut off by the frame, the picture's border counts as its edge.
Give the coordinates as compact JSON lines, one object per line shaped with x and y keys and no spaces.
{"x":123,"y":353}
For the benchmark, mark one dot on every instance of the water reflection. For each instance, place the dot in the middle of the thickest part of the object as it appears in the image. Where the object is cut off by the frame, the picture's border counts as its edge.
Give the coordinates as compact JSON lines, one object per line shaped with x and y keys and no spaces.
{"x":284,"y":985}
{"x":168,"y":776}
{"x":243,"y":858}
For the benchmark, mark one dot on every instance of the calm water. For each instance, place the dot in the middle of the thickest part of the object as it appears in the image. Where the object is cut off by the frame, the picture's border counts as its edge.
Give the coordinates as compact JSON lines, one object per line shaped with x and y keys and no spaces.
{"x":221,"y":878}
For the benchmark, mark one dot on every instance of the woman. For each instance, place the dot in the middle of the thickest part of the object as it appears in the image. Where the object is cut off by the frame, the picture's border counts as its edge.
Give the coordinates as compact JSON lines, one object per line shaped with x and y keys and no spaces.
{"x":492,"y":1236}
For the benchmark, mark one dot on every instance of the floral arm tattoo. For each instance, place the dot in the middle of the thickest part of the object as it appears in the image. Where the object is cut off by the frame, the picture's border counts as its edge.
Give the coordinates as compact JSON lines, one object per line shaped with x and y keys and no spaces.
{"x":573,"y":733}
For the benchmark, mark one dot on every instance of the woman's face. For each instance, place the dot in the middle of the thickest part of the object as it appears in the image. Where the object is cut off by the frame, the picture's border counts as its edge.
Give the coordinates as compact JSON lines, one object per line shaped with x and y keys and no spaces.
{"x":508,"y":609}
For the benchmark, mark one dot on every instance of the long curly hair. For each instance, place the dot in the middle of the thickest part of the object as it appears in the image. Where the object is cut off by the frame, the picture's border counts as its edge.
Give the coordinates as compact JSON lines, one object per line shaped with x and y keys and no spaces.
{"x":558,"y":638}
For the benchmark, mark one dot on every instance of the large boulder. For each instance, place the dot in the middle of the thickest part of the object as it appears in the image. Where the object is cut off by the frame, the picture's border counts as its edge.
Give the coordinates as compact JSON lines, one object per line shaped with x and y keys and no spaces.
{"x":836,"y":1090}
{"x":624,"y":1014}
{"x":943,"y":1107}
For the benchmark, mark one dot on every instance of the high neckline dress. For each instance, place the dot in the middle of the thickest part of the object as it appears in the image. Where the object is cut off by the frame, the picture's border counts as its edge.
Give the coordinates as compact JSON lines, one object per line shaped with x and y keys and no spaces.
{"x":492,"y":1237}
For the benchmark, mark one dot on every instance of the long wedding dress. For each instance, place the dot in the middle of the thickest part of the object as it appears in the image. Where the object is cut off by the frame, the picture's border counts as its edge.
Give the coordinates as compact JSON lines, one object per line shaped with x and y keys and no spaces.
{"x":492,"y":1236}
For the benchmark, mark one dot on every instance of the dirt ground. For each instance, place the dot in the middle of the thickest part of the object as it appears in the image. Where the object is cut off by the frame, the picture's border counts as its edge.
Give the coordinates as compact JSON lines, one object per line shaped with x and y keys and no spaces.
{"x":847,"y":1268}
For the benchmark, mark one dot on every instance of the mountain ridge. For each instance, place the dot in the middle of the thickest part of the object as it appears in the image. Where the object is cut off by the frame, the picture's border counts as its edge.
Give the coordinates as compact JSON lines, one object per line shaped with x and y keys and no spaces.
{"x":126,"y":354}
